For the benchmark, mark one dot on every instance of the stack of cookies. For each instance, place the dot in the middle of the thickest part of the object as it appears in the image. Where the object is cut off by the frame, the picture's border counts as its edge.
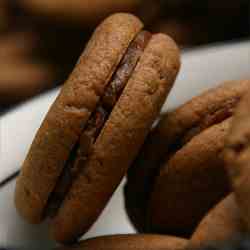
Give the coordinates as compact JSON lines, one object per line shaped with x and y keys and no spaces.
{"x":178,"y":193}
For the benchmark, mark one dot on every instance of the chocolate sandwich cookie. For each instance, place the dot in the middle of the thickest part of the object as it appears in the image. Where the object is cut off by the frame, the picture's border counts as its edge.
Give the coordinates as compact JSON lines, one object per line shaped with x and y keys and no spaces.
{"x":179,"y":173}
{"x":131,"y":242}
{"x":96,"y":126}
{"x":237,"y":157}
{"x":221,"y":224}
{"x":87,"y":13}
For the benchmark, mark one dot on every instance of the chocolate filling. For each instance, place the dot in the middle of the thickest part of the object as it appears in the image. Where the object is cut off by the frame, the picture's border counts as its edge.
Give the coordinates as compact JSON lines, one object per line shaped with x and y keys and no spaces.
{"x":85,"y":144}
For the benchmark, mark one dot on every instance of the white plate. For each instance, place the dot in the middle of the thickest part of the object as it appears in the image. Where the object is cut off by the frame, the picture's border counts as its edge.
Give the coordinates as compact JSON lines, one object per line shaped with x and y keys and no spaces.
{"x":201,"y":69}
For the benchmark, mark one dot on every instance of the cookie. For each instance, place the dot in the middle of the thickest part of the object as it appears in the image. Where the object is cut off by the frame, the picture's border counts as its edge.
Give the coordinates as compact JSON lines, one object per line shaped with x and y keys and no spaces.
{"x":237,"y":157}
{"x":129,"y":242}
{"x":87,"y":13}
{"x":96,"y":126}
{"x":221,"y":224}
{"x":179,"y":173}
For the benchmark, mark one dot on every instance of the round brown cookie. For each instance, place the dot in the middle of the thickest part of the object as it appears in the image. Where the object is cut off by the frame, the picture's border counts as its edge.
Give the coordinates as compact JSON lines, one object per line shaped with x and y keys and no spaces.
{"x":221,"y":224}
{"x":187,"y":129}
{"x":190,"y":183}
{"x":131,"y":242}
{"x":237,"y":157}
{"x":86,"y":12}
{"x":96,"y":126}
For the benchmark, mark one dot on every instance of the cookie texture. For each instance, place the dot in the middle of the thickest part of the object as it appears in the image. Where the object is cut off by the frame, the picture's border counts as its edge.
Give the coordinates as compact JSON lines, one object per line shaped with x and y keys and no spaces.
{"x":131,"y":242}
{"x":68,"y":115}
{"x":120,"y":139}
{"x":222,"y":224}
{"x":172,"y":138}
{"x":190,"y":183}
{"x":237,"y":156}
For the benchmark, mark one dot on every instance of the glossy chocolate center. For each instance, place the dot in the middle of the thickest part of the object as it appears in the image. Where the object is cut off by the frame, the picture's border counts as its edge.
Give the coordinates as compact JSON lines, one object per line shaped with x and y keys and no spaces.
{"x":84,"y":146}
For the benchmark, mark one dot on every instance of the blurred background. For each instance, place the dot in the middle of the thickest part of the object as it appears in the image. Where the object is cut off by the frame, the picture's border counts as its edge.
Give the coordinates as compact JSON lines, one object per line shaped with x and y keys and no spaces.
{"x":41,"y":40}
